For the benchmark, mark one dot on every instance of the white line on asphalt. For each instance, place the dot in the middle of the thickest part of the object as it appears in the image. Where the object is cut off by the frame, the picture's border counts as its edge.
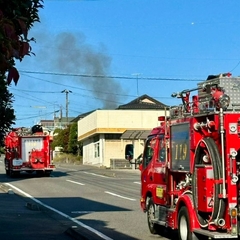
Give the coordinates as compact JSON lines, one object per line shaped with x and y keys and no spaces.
{"x":75,"y":182}
{"x":116,"y":195}
{"x":96,"y":174}
{"x":81,"y":212}
{"x":62,"y":214}
{"x":137,"y":182}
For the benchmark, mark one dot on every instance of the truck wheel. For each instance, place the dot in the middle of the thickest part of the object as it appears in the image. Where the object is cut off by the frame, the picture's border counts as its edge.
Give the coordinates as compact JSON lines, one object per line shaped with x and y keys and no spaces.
{"x":184,"y":232}
{"x":7,"y":167}
{"x":40,"y":173}
{"x":153,"y":227}
{"x":47,"y":173}
{"x":11,"y":173}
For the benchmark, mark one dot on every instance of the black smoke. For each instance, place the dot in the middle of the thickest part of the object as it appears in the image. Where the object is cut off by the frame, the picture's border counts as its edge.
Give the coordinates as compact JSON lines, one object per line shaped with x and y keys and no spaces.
{"x":72,"y":55}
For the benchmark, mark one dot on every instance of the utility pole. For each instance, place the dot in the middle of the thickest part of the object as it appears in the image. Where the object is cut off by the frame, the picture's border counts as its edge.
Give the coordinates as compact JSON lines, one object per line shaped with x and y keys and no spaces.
{"x":40,"y":112}
{"x":67,"y":92}
{"x":137,"y":76}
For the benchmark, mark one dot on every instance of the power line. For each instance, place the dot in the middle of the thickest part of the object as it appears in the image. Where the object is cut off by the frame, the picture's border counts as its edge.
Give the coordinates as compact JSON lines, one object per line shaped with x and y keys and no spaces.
{"x":235,"y":67}
{"x":109,"y":76}
{"x":75,"y":87}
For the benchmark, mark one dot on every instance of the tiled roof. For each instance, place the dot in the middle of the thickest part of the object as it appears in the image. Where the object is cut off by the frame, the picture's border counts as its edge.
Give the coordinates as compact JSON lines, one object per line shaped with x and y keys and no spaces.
{"x":135,"y":134}
{"x":143,"y":102}
{"x":81,"y":116}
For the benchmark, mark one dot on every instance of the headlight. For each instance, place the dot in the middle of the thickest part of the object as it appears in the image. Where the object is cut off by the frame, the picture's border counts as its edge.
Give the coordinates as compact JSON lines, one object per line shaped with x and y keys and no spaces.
{"x":224,"y":101}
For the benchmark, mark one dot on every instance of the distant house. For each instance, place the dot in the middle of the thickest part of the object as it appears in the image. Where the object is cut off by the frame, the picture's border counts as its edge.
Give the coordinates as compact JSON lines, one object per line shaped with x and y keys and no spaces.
{"x":104,"y":133}
{"x":62,"y":122}
{"x":48,"y":124}
{"x":143,"y":102}
{"x":56,"y":123}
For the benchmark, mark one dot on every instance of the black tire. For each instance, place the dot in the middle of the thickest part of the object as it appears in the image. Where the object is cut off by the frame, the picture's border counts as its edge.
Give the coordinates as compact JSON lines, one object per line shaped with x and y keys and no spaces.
{"x":7,"y":172}
{"x":40,"y":173}
{"x":153,"y":227}
{"x":47,"y":173}
{"x":7,"y":167}
{"x":11,"y":173}
{"x":184,"y":232}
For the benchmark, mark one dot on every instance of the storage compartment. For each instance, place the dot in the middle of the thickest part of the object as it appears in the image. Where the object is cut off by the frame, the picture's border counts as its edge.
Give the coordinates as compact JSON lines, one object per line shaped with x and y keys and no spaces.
{"x":205,"y":188}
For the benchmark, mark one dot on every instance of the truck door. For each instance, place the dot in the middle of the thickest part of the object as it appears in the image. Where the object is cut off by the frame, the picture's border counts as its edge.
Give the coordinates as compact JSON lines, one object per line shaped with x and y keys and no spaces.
{"x":154,"y":169}
{"x":159,"y":172}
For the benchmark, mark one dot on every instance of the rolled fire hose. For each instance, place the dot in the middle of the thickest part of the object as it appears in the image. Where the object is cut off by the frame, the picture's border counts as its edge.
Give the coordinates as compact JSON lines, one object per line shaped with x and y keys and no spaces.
{"x":219,"y":204}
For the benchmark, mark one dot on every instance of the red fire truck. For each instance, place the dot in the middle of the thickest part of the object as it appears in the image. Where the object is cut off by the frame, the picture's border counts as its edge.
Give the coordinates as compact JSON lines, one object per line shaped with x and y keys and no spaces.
{"x":28,"y":150}
{"x":191,"y":164}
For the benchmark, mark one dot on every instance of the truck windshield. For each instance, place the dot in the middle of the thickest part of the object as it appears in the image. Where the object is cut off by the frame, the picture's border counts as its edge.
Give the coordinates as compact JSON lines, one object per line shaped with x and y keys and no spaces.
{"x":148,"y":151}
{"x":162,"y":150}
{"x":151,"y":147}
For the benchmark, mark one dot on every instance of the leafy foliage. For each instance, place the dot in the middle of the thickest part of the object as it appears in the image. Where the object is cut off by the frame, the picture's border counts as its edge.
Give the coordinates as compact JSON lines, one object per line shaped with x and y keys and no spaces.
{"x":72,"y":143}
{"x":57,"y":138}
{"x":60,"y":138}
{"x":67,"y":139}
{"x":6,"y":112}
{"x":16,"y":19}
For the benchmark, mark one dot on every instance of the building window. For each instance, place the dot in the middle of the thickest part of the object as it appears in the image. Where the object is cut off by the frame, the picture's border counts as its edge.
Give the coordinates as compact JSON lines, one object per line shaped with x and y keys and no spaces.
{"x":96,"y":138}
{"x":113,"y":136}
{"x":96,"y":150}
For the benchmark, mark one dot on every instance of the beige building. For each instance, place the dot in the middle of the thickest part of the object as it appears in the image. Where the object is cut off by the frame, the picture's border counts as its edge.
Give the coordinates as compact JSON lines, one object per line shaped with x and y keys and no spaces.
{"x":105,"y":133}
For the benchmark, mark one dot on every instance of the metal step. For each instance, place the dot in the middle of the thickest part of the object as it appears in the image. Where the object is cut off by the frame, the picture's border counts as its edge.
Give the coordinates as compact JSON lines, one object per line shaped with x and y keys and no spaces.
{"x":214,"y":235}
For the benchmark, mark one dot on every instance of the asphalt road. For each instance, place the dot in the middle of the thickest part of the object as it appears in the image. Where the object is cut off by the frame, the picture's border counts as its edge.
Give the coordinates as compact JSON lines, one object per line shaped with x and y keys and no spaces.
{"x":101,"y":200}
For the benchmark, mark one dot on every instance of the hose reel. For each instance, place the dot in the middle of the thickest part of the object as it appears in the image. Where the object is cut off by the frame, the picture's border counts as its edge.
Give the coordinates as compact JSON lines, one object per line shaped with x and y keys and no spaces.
{"x":208,"y":146}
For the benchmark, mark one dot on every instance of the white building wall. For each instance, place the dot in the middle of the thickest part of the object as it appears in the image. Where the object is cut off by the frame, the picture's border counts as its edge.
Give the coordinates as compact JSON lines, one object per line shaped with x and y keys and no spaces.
{"x":101,"y":146}
{"x":89,"y":151}
{"x":117,"y":121}
{"x":113,"y":121}
{"x":114,"y":150}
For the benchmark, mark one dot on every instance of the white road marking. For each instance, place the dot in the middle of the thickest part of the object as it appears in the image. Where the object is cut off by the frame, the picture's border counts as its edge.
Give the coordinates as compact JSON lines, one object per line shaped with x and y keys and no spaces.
{"x":96,"y":174}
{"x":137,"y":182}
{"x":116,"y":195}
{"x":103,"y":236}
{"x":75,"y":182}
{"x":81,"y":212}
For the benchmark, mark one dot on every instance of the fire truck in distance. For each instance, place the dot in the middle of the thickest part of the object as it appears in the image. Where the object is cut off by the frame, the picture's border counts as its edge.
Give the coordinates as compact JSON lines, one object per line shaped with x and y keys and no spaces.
{"x":28,"y":150}
{"x":191,"y":164}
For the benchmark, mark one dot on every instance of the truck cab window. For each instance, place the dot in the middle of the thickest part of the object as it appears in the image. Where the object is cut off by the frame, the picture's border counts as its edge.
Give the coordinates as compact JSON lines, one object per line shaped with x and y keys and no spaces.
{"x":148,"y":152}
{"x":162,"y":151}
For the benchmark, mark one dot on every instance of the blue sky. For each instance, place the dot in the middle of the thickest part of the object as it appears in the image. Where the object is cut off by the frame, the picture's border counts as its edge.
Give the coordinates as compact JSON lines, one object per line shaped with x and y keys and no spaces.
{"x":109,"y":52}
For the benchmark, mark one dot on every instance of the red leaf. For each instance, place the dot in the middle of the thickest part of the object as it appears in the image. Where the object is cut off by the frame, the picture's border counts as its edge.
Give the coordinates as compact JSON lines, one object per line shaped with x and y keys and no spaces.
{"x":9,"y":30}
{"x":24,"y":49}
{"x":23,"y":26}
{"x":1,"y":15}
{"x":13,"y":74}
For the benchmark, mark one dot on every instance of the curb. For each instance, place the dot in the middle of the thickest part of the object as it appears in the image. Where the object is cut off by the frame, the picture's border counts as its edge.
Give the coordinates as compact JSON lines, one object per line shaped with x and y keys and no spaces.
{"x":5,"y":188}
{"x":80,"y":233}
{"x":75,"y":232}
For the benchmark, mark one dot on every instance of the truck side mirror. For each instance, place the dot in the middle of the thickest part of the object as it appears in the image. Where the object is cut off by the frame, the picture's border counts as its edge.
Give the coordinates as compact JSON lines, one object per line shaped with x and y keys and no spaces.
{"x":129,"y":152}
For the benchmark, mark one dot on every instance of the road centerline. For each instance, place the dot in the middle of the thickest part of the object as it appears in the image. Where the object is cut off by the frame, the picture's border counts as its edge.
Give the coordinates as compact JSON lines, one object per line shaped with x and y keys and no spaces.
{"x":120,"y":196}
{"x":75,"y":182}
{"x":98,"y":175}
